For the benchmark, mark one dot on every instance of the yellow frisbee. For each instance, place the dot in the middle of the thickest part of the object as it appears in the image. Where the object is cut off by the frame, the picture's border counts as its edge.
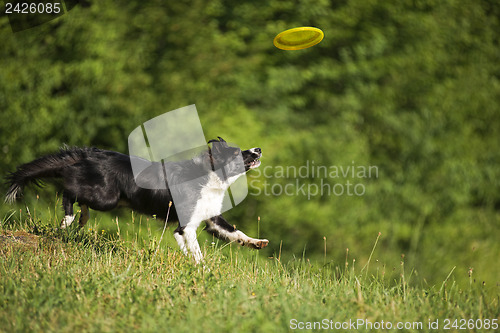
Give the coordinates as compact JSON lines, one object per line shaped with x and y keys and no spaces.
{"x":298,"y":38}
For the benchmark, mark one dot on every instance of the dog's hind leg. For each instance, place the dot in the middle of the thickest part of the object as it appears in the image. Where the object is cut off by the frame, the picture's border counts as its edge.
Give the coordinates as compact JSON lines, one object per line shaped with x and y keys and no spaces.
{"x":84,"y":215}
{"x":179,"y":237}
{"x":67,"y":204}
{"x":221,"y":229}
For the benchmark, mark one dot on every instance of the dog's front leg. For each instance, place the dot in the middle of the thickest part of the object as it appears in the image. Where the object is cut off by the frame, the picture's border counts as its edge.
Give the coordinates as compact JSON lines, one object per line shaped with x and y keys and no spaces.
{"x":192,"y":243}
{"x":186,"y":238}
{"x":220,"y":228}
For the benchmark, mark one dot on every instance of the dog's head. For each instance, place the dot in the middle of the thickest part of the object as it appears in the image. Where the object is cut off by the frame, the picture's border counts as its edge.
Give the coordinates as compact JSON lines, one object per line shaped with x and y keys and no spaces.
{"x":232,"y":159}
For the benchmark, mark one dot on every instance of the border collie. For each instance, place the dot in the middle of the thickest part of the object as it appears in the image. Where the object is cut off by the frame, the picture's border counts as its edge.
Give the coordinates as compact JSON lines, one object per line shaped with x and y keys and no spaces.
{"x":102,"y":180}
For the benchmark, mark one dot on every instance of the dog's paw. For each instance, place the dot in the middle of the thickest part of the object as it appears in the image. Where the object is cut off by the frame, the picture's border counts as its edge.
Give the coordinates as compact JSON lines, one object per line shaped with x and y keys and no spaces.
{"x":258,"y":243}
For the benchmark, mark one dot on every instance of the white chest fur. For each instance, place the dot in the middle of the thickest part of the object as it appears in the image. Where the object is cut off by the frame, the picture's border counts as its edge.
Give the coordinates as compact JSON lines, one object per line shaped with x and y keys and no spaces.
{"x":211,"y":198}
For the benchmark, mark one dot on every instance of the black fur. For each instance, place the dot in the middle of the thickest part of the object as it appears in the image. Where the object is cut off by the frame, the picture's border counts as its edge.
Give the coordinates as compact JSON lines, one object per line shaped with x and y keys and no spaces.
{"x":102,"y":179}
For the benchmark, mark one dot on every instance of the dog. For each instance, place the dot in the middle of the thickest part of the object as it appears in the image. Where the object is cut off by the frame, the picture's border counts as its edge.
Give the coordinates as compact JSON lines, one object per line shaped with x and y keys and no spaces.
{"x":103,"y":180}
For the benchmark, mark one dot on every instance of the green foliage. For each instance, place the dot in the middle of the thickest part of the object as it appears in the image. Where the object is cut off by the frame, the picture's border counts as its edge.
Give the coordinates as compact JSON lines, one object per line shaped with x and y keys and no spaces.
{"x":411,"y":87}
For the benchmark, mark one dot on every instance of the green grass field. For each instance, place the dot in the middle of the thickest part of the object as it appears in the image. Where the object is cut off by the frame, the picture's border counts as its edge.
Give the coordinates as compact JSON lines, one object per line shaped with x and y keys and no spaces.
{"x":94,"y":280}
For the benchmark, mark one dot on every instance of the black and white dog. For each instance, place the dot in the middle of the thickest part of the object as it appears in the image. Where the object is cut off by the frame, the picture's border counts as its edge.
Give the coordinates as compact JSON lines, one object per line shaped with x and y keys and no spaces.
{"x":102,"y":180}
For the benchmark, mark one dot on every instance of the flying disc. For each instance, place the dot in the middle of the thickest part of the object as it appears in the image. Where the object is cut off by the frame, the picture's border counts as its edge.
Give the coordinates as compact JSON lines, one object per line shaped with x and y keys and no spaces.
{"x":298,"y":38}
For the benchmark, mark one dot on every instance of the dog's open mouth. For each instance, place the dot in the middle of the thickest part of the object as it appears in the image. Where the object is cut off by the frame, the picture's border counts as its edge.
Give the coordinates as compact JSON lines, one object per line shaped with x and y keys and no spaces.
{"x":252,"y":158}
{"x":254,"y":164}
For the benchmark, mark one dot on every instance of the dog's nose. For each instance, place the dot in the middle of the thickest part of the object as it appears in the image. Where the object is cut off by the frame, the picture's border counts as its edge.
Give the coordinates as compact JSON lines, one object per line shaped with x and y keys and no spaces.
{"x":258,"y":150}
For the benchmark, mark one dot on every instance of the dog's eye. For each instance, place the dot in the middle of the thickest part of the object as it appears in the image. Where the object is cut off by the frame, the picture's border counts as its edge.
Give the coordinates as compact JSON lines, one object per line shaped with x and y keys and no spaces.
{"x":236,"y":152}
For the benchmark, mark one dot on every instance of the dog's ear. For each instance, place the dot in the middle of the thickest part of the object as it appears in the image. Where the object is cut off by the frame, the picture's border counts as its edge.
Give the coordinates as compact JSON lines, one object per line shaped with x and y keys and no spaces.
{"x":223,"y":142}
{"x":215,"y":146}
{"x":215,"y":149}
{"x":219,"y":143}
{"x":219,"y":139}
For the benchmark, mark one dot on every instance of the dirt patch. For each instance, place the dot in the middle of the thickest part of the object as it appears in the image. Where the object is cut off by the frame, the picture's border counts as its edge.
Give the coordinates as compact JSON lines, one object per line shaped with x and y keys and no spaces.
{"x":19,"y":238}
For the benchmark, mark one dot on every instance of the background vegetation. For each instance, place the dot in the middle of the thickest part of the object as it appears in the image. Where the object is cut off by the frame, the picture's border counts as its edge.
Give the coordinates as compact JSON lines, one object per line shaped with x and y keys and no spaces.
{"x":411,"y":87}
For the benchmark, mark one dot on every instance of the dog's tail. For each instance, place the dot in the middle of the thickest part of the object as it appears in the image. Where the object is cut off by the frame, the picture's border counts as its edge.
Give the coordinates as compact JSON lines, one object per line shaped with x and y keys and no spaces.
{"x":48,"y":166}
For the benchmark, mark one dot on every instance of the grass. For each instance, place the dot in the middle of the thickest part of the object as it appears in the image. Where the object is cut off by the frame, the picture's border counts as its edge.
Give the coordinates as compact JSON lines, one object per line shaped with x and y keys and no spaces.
{"x":99,"y":281}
